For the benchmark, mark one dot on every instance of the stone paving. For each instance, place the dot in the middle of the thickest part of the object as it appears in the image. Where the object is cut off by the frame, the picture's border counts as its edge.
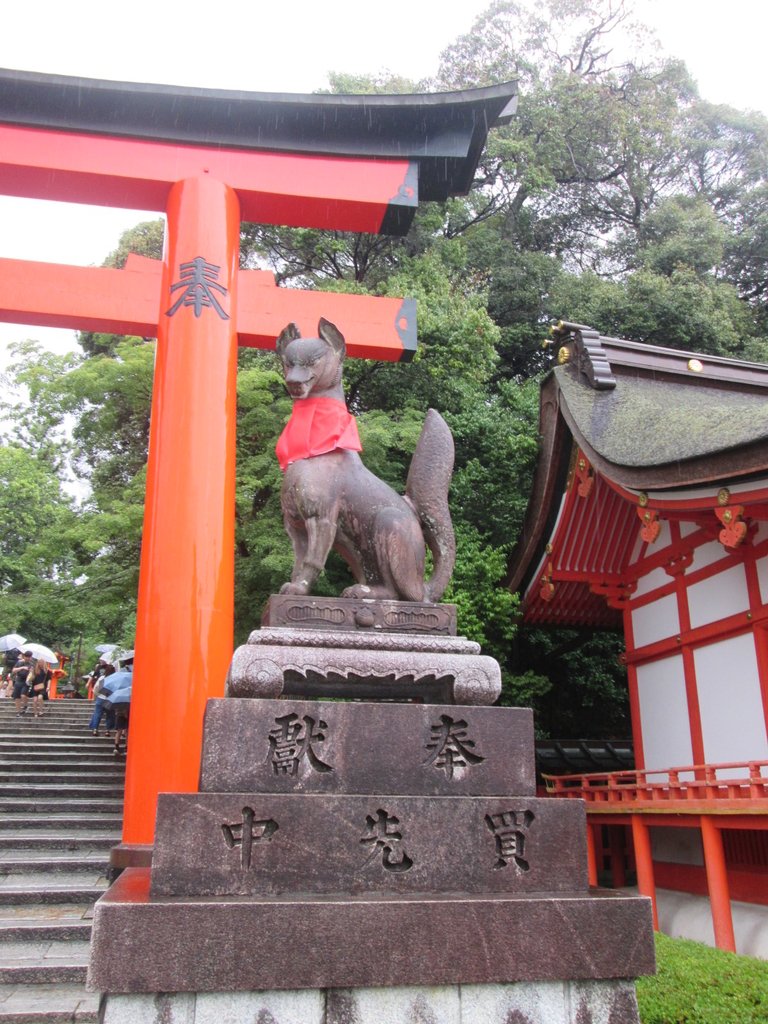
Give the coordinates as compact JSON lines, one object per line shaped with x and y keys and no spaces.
{"x":60,"y":813}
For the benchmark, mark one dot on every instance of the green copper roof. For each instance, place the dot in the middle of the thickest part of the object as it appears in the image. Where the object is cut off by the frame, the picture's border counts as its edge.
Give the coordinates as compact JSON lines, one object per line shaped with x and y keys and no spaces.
{"x":650,"y":422}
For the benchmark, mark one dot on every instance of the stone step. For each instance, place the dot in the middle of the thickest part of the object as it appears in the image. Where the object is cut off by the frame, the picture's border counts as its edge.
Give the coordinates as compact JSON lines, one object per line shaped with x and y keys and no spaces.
{"x":42,"y":752}
{"x":40,"y":805}
{"x":111,"y":773}
{"x":44,"y":914}
{"x":18,"y":839}
{"x":22,"y":862}
{"x":52,"y":972}
{"x":39,"y":728}
{"x":24,"y":896}
{"x":60,"y":930}
{"x":62,"y":790}
{"x":34,"y":890}
{"x":58,"y":760}
{"x":50,"y":746}
{"x":47,"y":1004}
{"x":76,"y":822}
{"x":11,"y":714}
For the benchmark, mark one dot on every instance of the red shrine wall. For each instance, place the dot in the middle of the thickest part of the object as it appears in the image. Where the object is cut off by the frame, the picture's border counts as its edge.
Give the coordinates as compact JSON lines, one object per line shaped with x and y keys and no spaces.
{"x":697,"y":650}
{"x":697,"y":647}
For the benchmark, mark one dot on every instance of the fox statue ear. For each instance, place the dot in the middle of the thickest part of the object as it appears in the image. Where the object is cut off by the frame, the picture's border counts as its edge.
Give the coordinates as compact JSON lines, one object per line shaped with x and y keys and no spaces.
{"x":287,"y":335}
{"x":332,"y":336}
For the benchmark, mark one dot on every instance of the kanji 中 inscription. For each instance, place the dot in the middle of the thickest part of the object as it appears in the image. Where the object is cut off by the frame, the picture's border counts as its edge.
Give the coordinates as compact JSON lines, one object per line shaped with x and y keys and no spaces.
{"x":450,"y":746}
{"x":509,"y":829}
{"x":386,"y":839}
{"x":247,"y":832}
{"x":291,"y":740}
{"x":199,"y":279}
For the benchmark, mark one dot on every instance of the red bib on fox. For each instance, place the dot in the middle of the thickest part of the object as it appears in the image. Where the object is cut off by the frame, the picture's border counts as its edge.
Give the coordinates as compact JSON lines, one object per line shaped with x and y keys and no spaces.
{"x":317,"y":426}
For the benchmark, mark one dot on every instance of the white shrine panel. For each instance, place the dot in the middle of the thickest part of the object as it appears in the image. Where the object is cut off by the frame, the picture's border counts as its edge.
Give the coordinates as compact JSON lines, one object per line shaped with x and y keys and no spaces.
{"x":652,"y":581}
{"x":718,"y":596}
{"x":686,"y":528}
{"x":664,"y":713}
{"x":663,"y":540}
{"x":761,"y":533}
{"x":732,"y":714}
{"x":637,"y":549}
{"x":655,"y":621}
{"x":706,"y":554}
{"x":762,"y":575}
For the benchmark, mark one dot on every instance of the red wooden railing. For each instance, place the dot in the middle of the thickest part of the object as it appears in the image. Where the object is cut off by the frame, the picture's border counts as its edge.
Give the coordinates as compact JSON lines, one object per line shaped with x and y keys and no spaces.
{"x":747,"y":780}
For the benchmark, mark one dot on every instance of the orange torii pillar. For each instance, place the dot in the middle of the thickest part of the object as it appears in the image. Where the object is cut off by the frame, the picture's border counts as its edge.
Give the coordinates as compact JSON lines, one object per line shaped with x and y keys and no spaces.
{"x":187,"y":546}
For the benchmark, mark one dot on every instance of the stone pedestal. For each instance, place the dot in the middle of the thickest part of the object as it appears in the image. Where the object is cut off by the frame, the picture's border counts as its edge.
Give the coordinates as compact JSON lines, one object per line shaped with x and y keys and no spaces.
{"x":352,"y":862}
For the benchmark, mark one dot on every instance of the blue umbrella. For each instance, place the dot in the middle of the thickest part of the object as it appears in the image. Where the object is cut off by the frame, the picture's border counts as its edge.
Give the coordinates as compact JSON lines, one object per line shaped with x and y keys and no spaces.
{"x":121,"y":696}
{"x":117,"y":681}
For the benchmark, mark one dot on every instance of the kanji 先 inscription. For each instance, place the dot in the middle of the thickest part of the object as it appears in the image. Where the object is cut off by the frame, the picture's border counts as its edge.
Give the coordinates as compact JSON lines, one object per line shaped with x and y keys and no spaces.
{"x":386,"y":839}
{"x":450,"y":746}
{"x":291,"y":740}
{"x":247,"y":832}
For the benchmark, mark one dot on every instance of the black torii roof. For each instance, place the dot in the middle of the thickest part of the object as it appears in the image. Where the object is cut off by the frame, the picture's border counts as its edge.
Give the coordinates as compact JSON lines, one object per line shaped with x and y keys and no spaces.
{"x":444,"y":132}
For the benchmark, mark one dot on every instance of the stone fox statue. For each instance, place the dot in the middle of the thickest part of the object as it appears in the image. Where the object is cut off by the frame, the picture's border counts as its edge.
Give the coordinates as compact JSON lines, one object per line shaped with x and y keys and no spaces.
{"x":330,"y":500}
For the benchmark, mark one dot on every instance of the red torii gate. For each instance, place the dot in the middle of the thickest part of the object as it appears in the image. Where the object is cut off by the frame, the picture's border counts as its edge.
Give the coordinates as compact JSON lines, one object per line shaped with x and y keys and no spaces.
{"x":210,"y":159}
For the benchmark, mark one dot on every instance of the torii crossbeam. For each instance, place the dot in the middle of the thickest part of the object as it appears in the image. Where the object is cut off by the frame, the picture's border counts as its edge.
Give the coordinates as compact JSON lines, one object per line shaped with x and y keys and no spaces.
{"x":210,"y":159}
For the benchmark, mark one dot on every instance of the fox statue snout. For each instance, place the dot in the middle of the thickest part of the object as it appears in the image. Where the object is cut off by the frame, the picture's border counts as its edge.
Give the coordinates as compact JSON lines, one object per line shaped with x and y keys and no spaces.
{"x":330,"y":500}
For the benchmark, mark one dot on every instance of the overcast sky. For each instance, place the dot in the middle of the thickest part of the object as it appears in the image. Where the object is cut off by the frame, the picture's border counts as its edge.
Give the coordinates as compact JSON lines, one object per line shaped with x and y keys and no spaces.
{"x":290,"y":46}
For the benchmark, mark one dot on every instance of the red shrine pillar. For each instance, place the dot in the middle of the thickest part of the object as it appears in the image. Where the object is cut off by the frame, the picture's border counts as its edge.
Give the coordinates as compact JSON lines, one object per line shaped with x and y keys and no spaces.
{"x":184,"y":629}
{"x":717,"y":884}
{"x":646,"y":883}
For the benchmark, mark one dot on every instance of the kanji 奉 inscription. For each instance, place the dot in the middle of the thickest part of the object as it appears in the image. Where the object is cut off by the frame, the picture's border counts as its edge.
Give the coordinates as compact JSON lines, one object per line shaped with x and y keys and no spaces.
{"x":199,"y":281}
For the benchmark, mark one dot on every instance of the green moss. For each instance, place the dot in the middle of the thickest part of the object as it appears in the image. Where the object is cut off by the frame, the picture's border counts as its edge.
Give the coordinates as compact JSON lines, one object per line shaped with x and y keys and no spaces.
{"x":699,"y":985}
{"x":646,"y":422}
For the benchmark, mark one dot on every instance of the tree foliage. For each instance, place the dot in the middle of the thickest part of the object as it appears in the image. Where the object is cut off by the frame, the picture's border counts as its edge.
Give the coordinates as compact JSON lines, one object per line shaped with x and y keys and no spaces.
{"x":616,"y":197}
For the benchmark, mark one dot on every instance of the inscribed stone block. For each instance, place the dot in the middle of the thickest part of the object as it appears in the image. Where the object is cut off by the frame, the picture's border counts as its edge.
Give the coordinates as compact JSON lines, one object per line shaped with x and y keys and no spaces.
{"x":286,"y":746}
{"x":240,"y":844}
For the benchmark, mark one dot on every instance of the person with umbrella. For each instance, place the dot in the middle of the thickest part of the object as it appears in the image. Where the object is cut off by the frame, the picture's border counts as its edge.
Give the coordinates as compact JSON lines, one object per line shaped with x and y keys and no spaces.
{"x":10,"y":647}
{"x":37,"y":681}
{"x":119,"y":701}
{"x":99,"y":708}
{"x":19,"y":679}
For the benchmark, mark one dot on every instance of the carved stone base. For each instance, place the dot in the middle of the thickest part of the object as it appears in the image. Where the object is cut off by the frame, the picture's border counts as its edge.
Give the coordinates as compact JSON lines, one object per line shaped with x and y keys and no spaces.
{"x":347,"y":613}
{"x":367,"y":666}
{"x":227,"y":944}
{"x":548,"y":1002}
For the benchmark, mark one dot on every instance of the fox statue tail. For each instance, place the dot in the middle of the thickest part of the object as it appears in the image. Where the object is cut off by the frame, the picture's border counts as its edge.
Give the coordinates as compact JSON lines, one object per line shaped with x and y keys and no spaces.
{"x":429,"y":478}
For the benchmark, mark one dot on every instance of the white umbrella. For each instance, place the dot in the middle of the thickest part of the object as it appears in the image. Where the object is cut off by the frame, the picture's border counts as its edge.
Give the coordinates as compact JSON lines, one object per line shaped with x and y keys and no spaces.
{"x":39,"y":651}
{"x":105,"y":648}
{"x":120,"y":656}
{"x":11,"y":640}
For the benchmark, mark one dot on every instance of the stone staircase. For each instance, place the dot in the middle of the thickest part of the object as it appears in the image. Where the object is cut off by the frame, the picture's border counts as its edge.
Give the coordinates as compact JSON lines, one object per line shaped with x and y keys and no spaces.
{"x":61,"y":800}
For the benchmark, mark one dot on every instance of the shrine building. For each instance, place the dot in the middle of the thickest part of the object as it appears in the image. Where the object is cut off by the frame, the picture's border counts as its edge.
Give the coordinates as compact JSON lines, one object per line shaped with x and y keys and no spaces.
{"x":649,"y":513}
